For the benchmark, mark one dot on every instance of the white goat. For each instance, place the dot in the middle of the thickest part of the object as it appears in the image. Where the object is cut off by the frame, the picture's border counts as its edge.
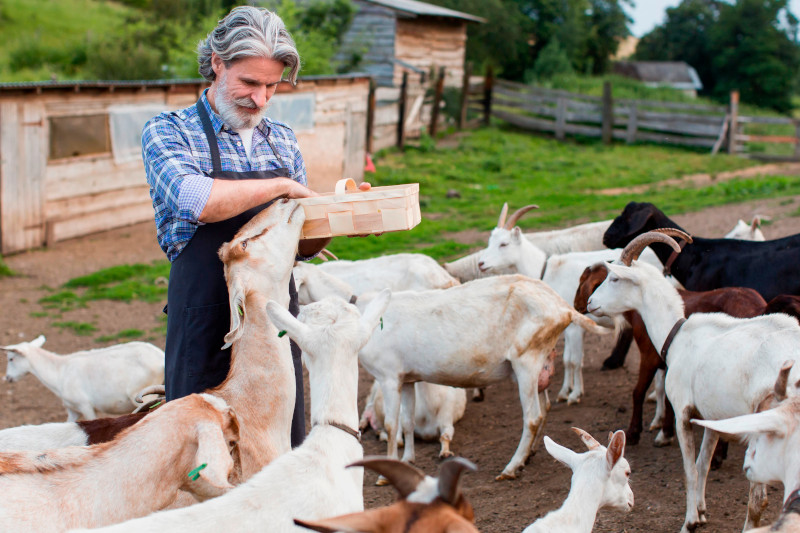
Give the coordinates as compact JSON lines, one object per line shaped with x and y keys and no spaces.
{"x":599,"y":479}
{"x":186,"y":445}
{"x":718,"y":366}
{"x":105,"y":379}
{"x":468,"y":336}
{"x":427,"y":505}
{"x":311,"y":480}
{"x":747,"y":232}
{"x":580,"y":238}
{"x":437,"y":408}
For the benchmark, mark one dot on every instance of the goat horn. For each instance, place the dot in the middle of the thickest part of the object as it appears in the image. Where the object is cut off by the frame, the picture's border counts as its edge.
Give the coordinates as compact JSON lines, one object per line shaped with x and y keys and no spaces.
{"x":501,"y":222}
{"x":587,"y":439}
{"x":782,"y":381}
{"x":637,"y":245}
{"x":403,"y":477}
{"x":675,"y":232}
{"x":450,"y":475}
{"x":512,"y":220}
{"x":153,"y":389}
{"x":330,"y":254}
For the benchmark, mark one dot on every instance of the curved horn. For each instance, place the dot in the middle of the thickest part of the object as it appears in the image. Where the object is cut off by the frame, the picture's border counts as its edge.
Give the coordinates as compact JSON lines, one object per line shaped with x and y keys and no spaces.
{"x":587,"y":439}
{"x":403,"y":477}
{"x":637,"y":245}
{"x":501,"y":222}
{"x":330,"y":254}
{"x":675,"y":232}
{"x":153,"y":389}
{"x":783,"y":380}
{"x":449,"y":477}
{"x":512,"y":220}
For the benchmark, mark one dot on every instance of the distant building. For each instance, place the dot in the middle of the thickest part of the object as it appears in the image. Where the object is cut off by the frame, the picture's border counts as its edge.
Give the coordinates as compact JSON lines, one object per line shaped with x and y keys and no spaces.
{"x":676,"y":74}
{"x":388,"y":37}
{"x":626,"y":48}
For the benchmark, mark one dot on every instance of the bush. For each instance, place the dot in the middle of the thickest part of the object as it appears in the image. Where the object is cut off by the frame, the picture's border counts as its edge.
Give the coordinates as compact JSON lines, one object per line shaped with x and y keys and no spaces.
{"x":552,"y":62}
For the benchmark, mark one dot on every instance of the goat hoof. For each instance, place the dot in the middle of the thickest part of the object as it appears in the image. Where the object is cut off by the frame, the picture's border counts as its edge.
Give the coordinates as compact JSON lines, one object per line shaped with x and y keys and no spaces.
{"x":445,"y":455}
{"x":573,"y":401}
{"x":505,"y":475}
{"x":632,"y":438}
{"x":382,"y":482}
{"x":661,"y":441}
{"x":611,"y":364}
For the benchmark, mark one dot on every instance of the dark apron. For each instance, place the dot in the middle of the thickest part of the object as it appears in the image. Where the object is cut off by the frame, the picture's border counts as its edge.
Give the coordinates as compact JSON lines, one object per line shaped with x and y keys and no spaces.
{"x":197,"y":297}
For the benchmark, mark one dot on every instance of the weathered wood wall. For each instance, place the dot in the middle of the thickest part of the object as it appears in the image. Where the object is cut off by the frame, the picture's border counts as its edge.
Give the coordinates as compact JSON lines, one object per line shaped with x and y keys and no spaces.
{"x":429,"y":43}
{"x":371,"y":38}
{"x":44,"y":201}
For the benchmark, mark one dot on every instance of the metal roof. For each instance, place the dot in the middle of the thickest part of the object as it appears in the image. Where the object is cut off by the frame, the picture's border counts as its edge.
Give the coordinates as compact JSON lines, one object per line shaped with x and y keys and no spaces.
{"x":416,"y":8}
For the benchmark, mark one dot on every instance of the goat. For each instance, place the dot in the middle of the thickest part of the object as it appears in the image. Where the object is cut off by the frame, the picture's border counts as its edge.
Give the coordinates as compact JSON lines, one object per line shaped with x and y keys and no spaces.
{"x":747,"y":232}
{"x":769,"y":267}
{"x":786,"y":304}
{"x":736,"y":301}
{"x":427,"y":505}
{"x":580,"y":238}
{"x":599,"y":479}
{"x":468,"y":336}
{"x":104,"y":379}
{"x":310,"y":480}
{"x":61,"y":434}
{"x":718,"y":366}
{"x":186,"y":445}
{"x":509,"y":250}
{"x":789,"y":519}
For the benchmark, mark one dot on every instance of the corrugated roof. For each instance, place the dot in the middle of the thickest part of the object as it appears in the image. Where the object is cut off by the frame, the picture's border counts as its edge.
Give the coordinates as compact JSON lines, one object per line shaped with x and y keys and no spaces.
{"x":423,"y":9}
{"x":663,"y":72}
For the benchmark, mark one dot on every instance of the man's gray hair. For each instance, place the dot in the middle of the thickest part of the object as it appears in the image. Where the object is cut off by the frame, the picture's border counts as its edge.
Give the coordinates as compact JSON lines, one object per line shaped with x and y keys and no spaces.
{"x":249,"y":31}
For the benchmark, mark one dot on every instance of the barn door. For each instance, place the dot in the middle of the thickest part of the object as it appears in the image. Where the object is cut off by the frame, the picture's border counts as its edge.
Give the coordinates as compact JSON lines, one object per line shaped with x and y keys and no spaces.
{"x":23,"y":158}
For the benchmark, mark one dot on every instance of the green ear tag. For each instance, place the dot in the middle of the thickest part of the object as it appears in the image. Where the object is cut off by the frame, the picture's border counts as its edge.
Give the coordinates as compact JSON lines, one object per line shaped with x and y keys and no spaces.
{"x":281,"y":333}
{"x":156,"y":404}
{"x":194,"y":474}
{"x":239,"y":308}
{"x":381,"y":322}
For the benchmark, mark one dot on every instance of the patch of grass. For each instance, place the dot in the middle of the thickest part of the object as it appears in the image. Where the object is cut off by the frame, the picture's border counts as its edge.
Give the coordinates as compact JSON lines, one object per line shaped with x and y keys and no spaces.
{"x":125,"y":334}
{"x":38,"y":314}
{"x":79,"y":328}
{"x":5,"y":271}
{"x":162,"y":328}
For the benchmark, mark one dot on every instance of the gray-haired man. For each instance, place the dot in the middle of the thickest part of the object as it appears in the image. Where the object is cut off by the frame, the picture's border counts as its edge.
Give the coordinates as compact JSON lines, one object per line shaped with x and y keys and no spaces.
{"x":211,"y":167}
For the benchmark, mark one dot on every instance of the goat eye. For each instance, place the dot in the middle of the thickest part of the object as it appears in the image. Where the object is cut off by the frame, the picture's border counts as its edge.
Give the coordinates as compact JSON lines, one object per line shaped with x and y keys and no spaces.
{"x":503,"y":245}
{"x":244,"y":244}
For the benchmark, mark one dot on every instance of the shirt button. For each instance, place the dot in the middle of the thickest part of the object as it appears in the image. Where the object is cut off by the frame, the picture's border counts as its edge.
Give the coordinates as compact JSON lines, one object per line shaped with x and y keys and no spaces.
{"x":238,"y":143}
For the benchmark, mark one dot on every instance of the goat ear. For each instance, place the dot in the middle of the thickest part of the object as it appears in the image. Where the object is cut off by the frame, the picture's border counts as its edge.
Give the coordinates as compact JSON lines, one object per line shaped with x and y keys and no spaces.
{"x":450,"y":476}
{"x":38,"y":341}
{"x":616,"y":448}
{"x":212,"y":451}
{"x":284,"y":321}
{"x":372,"y":314}
{"x":639,"y":219}
{"x":771,"y":421}
{"x":366,"y":522}
{"x":560,"y":453}
{"x":236,"y":302}
{"x":516,"y":234}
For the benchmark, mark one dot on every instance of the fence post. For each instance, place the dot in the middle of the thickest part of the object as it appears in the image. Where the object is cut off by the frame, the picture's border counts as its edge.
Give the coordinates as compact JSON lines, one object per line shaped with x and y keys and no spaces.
{"x":488,"y":84}
{"x":608,"y":113}
{"x":462,"y":112}
{"x":733,"y":127}
{"x":632,"y":123}
{"x":797,"y":135}
{"x":401,"y":114}
{"x":370,"y":115}
{"x":561,"y":117}
{"x":437,"y":100}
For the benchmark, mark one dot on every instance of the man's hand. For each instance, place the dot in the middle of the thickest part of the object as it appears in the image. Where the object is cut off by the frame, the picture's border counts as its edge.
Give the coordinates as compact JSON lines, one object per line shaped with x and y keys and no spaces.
{"x":296,"y":190}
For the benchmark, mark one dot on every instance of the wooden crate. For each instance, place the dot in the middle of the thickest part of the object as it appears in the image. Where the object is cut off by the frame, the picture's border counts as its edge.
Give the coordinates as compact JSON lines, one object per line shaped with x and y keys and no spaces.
{"x":350,"y":211}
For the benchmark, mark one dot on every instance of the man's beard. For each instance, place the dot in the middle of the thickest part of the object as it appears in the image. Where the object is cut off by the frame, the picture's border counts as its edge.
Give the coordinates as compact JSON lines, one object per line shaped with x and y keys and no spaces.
{"x":228,"y":108}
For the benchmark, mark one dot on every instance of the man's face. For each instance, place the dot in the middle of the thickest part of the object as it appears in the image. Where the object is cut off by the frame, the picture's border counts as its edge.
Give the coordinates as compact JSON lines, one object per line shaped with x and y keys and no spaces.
{"x":242,"y":90}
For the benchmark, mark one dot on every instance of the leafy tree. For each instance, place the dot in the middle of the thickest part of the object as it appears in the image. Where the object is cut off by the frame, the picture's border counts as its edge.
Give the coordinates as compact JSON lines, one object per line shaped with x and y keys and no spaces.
{"x":552,"y":61}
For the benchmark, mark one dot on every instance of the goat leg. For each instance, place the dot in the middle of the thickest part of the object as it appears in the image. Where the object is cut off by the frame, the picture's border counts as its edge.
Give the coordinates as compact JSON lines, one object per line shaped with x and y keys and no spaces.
{"x":647,"y":369}
{"x":620,"y":351}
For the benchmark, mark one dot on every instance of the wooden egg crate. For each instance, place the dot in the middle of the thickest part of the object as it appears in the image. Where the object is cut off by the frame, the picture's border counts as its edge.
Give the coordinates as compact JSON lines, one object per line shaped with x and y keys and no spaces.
{"x":350,"y":211}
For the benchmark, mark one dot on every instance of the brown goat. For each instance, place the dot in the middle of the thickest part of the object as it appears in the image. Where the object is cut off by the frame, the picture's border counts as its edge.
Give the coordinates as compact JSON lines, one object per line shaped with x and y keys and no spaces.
{"x":437,"y":505}
{"x":735,"y":301}
{"x":784,"y":303}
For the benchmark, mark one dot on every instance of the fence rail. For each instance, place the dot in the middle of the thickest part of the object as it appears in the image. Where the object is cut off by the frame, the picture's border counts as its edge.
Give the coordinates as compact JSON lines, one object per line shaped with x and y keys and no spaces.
{"x":707,"y":126}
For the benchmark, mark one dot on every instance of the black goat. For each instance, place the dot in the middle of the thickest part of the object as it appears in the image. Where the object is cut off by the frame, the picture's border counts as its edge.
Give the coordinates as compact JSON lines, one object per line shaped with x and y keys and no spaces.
{"x":769,"y":267}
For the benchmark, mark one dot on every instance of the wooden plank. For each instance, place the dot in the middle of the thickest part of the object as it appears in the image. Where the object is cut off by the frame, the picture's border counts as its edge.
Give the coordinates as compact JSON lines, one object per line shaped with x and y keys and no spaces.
{"x":682,"y":128}
{"x":767,"y":138}
{"x":462,"y":108}
{"x":488,"y":86}
{"x":370,"y":116}
{"x":525,"y":122}
{"x":437,"y":100}
{"x":722,"y":132}
{"x":672,"y":105}
{"x":608,"y":113}
{"x":561,"y":111}
{"x":675,"y":139}
{"x":521,"y":87}
{"x":401,"y":113}
{"x":630,"y":133}
{"x":104,"y":201}
{"x":734,"y":124}
{"x":94,"y":222}
{"x":765,"y":120}
{"x":711,"y":120}
{"x":65,"y":180}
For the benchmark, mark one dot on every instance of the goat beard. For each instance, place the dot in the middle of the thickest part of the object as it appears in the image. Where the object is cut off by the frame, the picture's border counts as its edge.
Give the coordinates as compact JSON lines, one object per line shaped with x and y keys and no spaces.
{"x":228,"y":108}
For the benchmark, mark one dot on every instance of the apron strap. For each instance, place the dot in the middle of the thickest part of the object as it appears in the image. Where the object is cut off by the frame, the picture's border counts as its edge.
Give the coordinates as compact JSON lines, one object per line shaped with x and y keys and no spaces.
{"x":211,"y":135}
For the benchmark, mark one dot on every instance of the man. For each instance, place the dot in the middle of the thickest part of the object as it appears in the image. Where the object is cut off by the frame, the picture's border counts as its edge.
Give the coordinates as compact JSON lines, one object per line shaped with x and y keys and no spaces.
{"x":211,"y":167}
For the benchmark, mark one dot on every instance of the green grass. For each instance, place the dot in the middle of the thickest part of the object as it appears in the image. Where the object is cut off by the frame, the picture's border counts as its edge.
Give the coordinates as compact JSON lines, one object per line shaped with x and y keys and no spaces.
{"x":5,"y":271}
{"x":79,"y":328}
{"x":125,"y":334}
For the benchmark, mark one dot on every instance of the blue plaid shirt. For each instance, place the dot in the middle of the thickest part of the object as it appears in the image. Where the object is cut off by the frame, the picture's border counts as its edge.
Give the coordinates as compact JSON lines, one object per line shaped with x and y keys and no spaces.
{"x":177,"y":161}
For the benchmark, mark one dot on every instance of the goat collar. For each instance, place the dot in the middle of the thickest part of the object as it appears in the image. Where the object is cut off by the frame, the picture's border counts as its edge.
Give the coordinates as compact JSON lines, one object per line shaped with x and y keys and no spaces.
{"x":673,"y":256}
{"x":345,"y":428}
{"x":353,"y":299}
{"x":670,"y":337}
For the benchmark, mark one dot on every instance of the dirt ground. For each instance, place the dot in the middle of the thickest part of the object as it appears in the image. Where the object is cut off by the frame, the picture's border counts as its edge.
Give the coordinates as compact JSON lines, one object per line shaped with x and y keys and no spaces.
{"x":489,"y":432}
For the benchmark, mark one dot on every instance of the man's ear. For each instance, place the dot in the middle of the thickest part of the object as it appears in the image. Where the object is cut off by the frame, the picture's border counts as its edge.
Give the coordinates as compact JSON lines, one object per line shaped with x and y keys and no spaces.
{"x":217,"y":64}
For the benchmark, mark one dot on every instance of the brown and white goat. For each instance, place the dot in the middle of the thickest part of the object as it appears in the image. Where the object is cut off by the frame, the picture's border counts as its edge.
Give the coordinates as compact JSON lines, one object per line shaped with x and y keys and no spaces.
{"x":734,"y":301}
{"x":427,"y":505}
{"x":186,"y":445}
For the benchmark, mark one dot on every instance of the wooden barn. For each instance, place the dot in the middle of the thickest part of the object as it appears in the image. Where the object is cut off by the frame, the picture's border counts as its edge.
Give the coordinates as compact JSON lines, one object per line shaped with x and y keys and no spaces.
{"x":675,"y":74}
{"x":390,"y":36}
{"x":70,"y":152}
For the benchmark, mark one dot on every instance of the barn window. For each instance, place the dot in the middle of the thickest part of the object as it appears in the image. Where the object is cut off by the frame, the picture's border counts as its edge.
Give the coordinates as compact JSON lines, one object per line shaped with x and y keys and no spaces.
{"x":126,"y":125}
{"x":79,"y":135}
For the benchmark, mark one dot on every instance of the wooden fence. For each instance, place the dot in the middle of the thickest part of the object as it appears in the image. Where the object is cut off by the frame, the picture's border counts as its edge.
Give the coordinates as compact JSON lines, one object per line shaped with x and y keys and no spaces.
{"x":564,"y":113}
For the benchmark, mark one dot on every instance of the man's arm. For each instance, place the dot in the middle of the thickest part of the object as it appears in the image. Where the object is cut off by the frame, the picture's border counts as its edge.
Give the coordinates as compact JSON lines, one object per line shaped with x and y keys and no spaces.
{"x":229,"y":198}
